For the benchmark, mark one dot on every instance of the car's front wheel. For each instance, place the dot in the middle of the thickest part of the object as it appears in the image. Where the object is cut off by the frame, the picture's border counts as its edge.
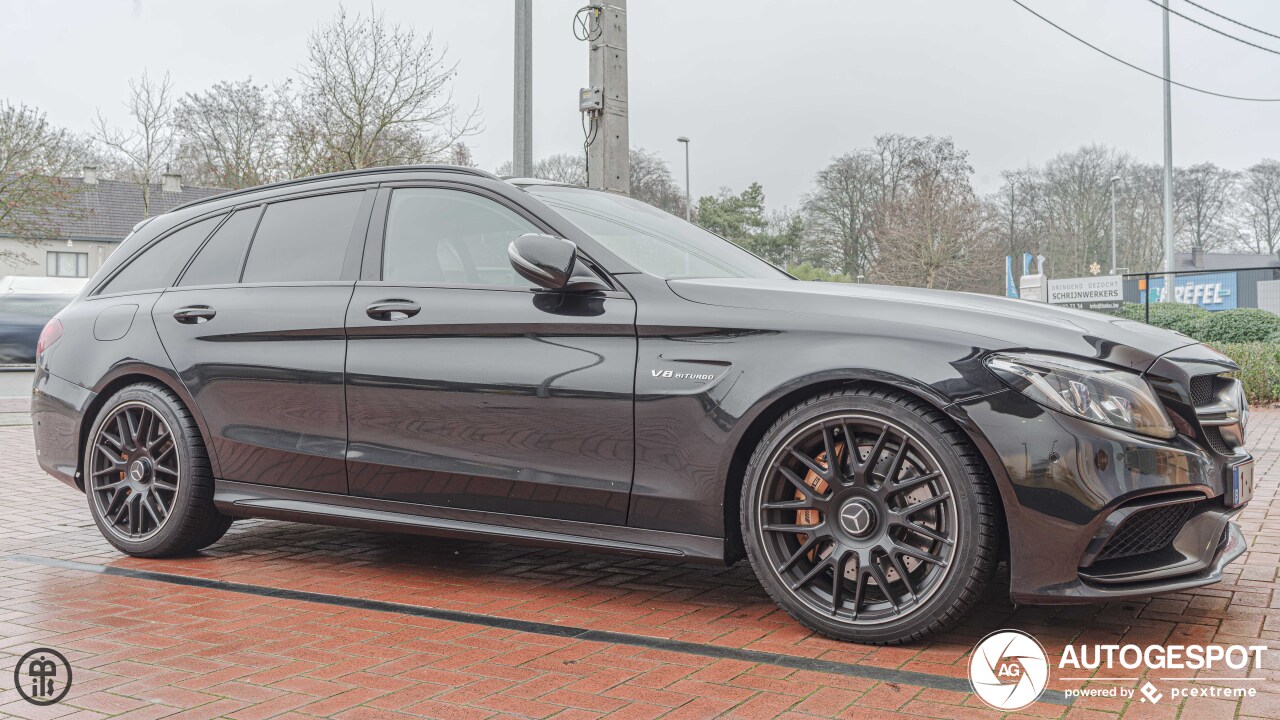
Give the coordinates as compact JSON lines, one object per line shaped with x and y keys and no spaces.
{"x":869,"y":517}
{"x":147,"y":475}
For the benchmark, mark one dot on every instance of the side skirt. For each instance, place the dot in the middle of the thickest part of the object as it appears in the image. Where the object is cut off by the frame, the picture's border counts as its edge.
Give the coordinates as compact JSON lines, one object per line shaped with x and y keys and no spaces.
{"x":246,"y":500}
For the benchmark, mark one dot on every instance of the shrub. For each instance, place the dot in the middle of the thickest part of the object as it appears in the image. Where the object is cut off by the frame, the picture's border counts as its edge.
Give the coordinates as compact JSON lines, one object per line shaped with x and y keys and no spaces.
{"x":805,"y":271}
{"x":1178,"y":317}
{"x":1259,"y":369}
{"x":1242,"y":325}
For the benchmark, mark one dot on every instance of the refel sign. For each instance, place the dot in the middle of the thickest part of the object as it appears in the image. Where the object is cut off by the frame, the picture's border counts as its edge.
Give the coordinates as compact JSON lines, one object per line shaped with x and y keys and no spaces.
{"x":1105,"y":292}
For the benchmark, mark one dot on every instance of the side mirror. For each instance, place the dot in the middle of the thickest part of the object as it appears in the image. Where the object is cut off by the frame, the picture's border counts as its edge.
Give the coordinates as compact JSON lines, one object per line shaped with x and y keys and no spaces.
{"x":551,"y":262}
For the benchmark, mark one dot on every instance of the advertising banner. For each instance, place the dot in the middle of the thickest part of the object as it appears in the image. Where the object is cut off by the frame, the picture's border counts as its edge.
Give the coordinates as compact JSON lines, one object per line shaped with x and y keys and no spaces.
{"x":1103,"y":293}
{"x":1211,"y":291}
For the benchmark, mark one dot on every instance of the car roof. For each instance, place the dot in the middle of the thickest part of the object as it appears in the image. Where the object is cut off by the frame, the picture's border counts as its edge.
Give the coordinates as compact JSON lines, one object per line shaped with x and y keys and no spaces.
{"x":461,"y":170}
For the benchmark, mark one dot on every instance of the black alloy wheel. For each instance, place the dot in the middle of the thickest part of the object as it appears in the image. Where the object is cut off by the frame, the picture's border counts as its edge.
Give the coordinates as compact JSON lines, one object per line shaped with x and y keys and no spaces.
{"x":868,"y":517}
{"x":147,"y":475}
{"x":134,"y":471}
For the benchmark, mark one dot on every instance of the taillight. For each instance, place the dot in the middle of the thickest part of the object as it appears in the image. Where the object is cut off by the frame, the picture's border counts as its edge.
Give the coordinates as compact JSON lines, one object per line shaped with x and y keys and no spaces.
{"x":52,"y":331}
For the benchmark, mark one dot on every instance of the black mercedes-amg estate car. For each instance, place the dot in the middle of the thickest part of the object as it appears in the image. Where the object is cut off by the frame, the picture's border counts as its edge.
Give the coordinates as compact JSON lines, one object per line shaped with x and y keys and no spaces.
{"x":437,"y":350}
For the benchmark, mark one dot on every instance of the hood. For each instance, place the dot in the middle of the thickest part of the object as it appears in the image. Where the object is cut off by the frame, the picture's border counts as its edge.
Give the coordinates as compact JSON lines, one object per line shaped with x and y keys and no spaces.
{"x":994,"y":323}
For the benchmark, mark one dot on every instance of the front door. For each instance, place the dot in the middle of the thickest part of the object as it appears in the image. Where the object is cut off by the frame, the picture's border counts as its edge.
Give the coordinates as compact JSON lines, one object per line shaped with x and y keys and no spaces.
{"x":467,"y":388}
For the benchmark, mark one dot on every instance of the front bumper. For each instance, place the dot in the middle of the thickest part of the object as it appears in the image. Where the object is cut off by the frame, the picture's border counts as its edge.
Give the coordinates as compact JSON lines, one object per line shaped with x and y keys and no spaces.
{"x":1068,"y":485}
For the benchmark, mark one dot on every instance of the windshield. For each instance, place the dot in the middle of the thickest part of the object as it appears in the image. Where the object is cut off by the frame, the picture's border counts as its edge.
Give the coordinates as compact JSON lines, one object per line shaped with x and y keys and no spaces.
{"x":654,"y":241}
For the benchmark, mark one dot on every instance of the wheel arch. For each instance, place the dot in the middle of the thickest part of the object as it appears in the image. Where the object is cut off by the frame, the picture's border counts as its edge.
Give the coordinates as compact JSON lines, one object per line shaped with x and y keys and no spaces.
{"x":122,"y":377}
{"x":778,"y":403}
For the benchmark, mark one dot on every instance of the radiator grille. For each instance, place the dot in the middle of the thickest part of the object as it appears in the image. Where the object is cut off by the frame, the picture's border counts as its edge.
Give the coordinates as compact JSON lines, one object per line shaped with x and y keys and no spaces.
{"x":1219,"y":445}
{"x":1202,"y":389}
{"x":1147,"y":531}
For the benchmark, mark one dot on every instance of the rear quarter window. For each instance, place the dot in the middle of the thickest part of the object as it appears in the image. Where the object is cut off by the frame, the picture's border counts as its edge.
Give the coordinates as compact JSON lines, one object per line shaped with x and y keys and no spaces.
{"x":158,"y":266}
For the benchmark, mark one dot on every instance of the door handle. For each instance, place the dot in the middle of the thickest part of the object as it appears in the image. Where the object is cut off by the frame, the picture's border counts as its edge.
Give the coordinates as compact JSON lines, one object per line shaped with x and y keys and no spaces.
{"x":194,"y":314}
{"x":392,"y":310}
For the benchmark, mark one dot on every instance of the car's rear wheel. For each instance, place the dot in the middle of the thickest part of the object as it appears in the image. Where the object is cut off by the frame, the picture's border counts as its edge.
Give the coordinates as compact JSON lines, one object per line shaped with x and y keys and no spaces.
{"x":147,"y":475}
{"x":894,"y":540}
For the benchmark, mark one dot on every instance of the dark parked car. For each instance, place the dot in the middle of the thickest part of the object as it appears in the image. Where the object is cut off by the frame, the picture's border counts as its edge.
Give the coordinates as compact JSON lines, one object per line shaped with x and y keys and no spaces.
{"x":22,"y":317}
{"x":436,"y":350}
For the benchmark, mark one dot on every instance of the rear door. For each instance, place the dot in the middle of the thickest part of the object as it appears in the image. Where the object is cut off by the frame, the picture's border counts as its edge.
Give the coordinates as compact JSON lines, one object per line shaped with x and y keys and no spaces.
{"x":255,"y":330}
{"x":468,"y":388}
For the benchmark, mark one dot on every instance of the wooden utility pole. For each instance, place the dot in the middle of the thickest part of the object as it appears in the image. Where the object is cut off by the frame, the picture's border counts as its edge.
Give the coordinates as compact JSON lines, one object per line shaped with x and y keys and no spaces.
{"x":608,"y":163}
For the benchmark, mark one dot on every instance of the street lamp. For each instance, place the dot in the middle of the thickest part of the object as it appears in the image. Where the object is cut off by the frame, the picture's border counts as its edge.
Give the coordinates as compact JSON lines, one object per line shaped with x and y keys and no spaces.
{"x":1114,"y":179}
{"x":687,"y":202}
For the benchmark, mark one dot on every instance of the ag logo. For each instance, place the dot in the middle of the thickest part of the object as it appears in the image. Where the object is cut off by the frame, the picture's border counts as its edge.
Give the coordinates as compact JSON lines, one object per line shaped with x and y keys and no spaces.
{"x":1008,"y":670}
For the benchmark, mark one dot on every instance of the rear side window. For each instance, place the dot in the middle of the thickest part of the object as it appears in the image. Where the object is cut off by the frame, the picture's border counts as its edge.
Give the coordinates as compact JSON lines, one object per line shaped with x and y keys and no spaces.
{"x":221,"y":258}
{"x":158,"y":265}
{"x":303,"y":239}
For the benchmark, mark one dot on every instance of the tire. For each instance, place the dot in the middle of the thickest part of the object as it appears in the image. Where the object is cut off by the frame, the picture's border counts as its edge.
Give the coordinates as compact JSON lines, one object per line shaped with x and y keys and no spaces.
{"x":886,"y":547}
{"x":147,"y":476}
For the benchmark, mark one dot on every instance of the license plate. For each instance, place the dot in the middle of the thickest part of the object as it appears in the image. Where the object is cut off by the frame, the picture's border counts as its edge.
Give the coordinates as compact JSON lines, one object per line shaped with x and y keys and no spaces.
{"x":1240,"y":489}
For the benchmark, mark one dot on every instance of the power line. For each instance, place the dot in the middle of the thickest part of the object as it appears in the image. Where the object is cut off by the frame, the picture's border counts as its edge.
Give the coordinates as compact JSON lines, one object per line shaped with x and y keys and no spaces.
{"x":1231,"y":19}
{"x":1142,"y":70}
{"x":1211,"y":28}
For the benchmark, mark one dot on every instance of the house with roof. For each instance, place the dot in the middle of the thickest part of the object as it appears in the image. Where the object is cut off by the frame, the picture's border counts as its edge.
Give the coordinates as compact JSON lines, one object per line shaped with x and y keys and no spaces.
{"x":101,"y":213}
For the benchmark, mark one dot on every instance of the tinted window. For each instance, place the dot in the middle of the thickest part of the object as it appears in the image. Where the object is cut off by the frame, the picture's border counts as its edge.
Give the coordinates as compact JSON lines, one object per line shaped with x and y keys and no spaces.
{"x":448,"y":236}
{"x":159,"y":264}
{"x":655,"y":241}
{"x":303,"y":239}
{"x":221,"y":258}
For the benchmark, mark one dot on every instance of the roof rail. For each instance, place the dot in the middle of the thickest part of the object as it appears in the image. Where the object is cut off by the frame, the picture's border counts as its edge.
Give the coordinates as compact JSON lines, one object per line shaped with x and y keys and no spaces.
{"x":344,"y":173}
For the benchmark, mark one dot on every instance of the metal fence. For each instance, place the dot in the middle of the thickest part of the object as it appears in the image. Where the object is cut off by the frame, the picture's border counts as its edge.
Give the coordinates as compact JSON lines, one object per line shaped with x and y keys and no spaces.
{"x":1222,"y":289}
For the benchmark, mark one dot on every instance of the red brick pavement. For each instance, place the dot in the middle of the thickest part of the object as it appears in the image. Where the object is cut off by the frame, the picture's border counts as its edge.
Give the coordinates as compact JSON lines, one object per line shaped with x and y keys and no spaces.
{"x":146,"y":649}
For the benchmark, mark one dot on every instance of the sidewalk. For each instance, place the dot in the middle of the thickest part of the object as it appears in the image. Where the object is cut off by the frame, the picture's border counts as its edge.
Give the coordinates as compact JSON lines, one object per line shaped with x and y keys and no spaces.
{"x":287,"y":620}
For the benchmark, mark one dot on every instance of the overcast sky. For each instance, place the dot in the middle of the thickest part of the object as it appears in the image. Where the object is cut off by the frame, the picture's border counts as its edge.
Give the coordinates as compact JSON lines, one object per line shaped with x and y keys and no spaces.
{"x":768,"y":91}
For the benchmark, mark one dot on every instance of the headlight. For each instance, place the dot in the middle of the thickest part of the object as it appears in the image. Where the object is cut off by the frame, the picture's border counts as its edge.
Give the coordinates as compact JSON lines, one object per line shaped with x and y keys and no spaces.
{"x":1086,"y":390}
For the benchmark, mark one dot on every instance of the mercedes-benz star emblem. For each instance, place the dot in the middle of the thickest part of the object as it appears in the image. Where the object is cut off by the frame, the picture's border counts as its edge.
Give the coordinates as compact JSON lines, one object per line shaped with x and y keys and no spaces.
{"x":856,"y":518}
{"x":136,"y":471}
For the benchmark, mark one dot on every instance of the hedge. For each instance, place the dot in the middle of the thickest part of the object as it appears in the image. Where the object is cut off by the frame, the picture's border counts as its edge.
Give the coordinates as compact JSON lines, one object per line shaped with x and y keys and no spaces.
{"x":1259,"y":369}
{"x":1241,"y":325}
{"x":1178,"y":317}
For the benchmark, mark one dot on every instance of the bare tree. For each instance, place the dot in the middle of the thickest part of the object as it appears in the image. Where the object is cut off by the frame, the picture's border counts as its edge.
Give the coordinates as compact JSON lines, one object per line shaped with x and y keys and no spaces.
{"x":145,"y":147}
{"x":35,"y":195}
{"x":1205,"y":194}
{"x":855,"y":197}
{"x":1063,"y":210}
{"x":941,"y":238}
{"x":934,"y":232}
{"x":841,"y":213}
{"x":652,"y":182}
{"x":1260,"y":206}
{"x":460,"y":155}
{"x":568,"y":168}
{"x":227,"y":135}
{"x":371,"y":94}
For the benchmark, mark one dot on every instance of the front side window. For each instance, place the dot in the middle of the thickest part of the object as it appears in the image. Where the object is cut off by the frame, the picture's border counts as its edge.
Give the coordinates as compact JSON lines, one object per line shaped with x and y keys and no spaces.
{"x":67,"y":264}
{"x":435,"y":235}
{"x":303,"y":240}
{"x":654,"y":241}
{"x":157,"y":266}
